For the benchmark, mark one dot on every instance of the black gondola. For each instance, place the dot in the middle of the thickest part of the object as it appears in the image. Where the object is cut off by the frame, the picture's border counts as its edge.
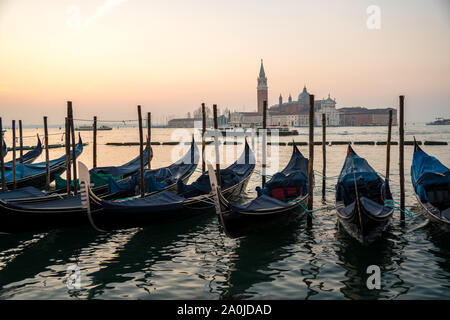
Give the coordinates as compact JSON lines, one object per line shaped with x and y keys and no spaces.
{"x":360,"y":199}
{"x":431,"y":182}
{"x":30,"y":156}
{"x":34,"y":175}
{"x":282,"y":200}
{"x":190,"y":200}
{"x":123,"y":172}
{"x":43,"y":214}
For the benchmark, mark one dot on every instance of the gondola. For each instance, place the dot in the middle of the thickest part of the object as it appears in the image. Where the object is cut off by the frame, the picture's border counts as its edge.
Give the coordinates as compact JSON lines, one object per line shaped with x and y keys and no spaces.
{"x":360,"y":199}
{"x":43,"y":214}
{"x":34,"y":175}
{"x":281,"y":200}
{"x":187,"y":201}
{"x":431,"y":182}
{"x":30,"y":156}
{"x":99,"y":175}
{"x":120,"y":173}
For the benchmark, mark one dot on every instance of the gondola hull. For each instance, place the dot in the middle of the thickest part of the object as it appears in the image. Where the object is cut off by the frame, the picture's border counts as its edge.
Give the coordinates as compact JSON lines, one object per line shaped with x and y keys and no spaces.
{"x":431,"y":184}
{"x":106,"y":219}
{"x":361,"y":223}
{"x":269,"y":209}
{"x":361,"y":196}
{"x":238,"y":224}
{"x":17,"y":217}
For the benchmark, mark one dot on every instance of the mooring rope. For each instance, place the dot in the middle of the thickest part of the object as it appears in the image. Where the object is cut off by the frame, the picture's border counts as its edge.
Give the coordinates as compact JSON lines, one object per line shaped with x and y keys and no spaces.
{"x":396,"y":205}
{"x":306,"y":210}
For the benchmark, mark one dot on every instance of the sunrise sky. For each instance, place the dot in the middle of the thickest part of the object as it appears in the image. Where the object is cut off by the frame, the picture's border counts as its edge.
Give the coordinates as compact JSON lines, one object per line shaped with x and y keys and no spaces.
{"x":169,"y":56}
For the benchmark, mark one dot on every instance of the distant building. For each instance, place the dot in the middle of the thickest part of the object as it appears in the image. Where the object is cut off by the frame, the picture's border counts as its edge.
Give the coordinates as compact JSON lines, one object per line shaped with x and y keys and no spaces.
{"x":290,"y":113}
{"x":190,"y":122}
{"x":297,"y":112}
{"x":359,"y":116}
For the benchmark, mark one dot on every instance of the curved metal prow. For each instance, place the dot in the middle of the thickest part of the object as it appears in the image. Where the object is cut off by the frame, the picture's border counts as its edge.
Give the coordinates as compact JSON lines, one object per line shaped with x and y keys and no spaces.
{"x":85,"y":182}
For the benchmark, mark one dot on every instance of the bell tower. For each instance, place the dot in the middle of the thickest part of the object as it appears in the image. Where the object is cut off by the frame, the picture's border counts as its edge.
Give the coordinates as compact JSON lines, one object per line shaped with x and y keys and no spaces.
{"x":262,"y":88}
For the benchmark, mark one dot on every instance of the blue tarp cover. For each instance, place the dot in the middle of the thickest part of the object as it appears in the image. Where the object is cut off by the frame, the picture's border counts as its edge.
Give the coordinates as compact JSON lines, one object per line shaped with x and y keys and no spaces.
{"x":230,"y":176}
{"x":367,"y":179}
{"x":30,"y":156}
{"x":158,"y":179}
{"x":295,"y":174}
{"x":27,"y":170}
{"x":26,"y":192}
{"x":127,"y":169}
{"x":66,"y":203}
{"x":162,"y":201}
{"x":427,"y":170}
{"x":262,"y":202}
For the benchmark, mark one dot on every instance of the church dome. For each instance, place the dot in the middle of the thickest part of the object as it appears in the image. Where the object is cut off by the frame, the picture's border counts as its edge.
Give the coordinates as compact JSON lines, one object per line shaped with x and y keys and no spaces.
{"x":304,"y":95}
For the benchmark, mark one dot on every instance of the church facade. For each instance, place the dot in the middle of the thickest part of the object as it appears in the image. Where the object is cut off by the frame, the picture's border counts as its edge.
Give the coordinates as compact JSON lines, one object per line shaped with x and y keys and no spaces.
{"x":294,"y":113}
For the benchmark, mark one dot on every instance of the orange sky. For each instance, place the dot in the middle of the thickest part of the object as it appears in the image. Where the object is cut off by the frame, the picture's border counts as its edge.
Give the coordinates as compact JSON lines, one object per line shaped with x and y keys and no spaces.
{"x":169,"y":56}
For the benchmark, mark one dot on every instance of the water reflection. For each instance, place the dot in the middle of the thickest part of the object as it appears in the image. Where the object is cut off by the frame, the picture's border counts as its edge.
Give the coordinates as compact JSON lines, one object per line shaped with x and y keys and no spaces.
{"x":133,"y":261}
{"x":46,"y":252}
{"x":355,"y":258}
{"x":253,"y":258}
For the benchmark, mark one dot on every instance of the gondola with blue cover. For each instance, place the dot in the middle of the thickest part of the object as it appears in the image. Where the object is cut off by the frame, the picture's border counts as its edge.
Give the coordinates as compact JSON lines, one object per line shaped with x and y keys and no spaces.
{"x":34,"y":175}
{"x":280,"y":201}
{"x":30,"y":156}
{"x":188,"y":200}
{"x":431,"y":182}
{"x":37,"y":212}
{"x":360,"y":199}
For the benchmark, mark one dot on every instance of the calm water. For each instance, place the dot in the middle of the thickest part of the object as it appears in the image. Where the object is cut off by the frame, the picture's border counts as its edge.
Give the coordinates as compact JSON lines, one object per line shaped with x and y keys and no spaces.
{"x":193,"y":259}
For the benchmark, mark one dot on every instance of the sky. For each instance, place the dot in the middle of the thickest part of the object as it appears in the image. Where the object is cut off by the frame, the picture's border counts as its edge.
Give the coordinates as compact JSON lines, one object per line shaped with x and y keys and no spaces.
{"x":108,"y":56}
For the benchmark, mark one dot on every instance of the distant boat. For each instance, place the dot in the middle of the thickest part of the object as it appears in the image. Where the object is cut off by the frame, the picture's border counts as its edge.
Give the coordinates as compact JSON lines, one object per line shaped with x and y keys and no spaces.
{"x":439,"y":122}
{"x":91,"y":128}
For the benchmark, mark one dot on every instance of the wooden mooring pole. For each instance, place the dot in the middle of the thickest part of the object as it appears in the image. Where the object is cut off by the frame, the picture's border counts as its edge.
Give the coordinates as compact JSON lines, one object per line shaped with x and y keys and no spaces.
{"x":402,"y":158}
{"x":203,"y":136}
{"x":94,"y":143}
{"x":74,"y":154}
{"x":141,"y":152}
{"x":324,"y":155}
{"x":311,"y":157}
{"x":20,"y":142}
{"x":216,"y":141}
{"x":149,"y":139}
{"x":264,"y":145}
{"x":68,"y":170}
{"x":2,"y":159}
{"x":14,"y":153}
{"x":47,"y":164}
{"x":388,"y":146}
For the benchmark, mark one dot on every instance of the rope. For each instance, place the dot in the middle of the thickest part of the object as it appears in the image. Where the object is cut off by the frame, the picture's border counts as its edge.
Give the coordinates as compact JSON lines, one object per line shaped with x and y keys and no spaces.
{"x":396,"y":205}
{"x":306,"y":210}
